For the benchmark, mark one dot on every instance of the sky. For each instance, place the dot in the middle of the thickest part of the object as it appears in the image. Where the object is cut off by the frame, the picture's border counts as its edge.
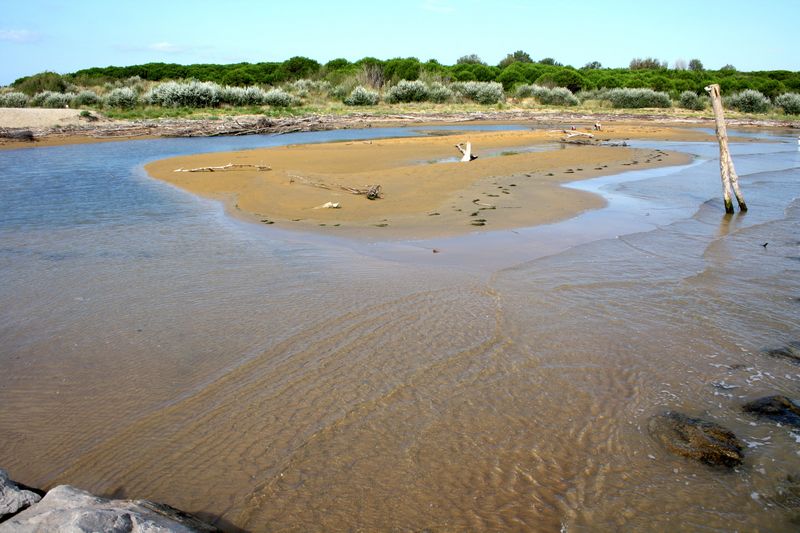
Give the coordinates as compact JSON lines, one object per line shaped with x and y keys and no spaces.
{"x":65,"y":36}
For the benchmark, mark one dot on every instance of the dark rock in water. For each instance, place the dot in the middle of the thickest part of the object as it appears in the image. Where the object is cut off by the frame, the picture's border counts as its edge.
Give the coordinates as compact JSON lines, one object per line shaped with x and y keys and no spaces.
{"x":14,"y":498}
{"x":697,"y":439}
{"x":778,"y":408}
{"x":791,"y":352}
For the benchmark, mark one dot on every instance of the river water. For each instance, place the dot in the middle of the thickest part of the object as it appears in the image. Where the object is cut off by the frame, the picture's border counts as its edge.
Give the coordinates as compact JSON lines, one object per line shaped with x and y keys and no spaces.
{"x":153,"y":347}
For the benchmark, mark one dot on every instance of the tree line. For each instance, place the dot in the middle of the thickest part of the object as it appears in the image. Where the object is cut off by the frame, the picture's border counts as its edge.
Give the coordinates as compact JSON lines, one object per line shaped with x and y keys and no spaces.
{"x":515,"y":69}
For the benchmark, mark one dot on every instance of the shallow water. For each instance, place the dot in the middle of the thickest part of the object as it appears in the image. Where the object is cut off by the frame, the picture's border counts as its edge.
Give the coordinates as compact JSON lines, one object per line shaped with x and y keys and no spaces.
{"x":153,"y":347}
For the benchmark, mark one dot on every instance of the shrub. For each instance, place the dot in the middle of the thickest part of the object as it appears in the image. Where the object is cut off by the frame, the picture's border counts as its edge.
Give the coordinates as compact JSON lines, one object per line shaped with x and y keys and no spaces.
{"x":407,"y":91}
{"x":42,"y":82}
{"x":52,"y":99}
{"x":748,"y":101}
{"x":638,"y":98}
{"x":340,"y":92}
{"x":438,"y":93}
{"x":691,"y":100}
{"x":362,"y":96}
{"x":280,"y":98}
{"x":192,"y":94}
{"x":14,"y":99}
{"x":123,"y":98}
{"x":86,"y":98}
{"x":242,"y":96}
{"x":489,"y":92}
{"x":789,"y":102}
{"x":556,"y":96}
{"x":306,"y":86}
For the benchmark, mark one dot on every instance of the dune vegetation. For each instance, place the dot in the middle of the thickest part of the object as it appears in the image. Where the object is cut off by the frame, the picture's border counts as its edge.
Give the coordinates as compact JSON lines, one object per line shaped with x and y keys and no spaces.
{"x":301,"y":85}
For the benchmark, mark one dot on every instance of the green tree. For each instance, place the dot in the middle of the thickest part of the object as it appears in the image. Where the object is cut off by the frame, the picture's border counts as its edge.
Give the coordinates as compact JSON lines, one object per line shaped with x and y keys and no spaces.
{"x":696,"y":65}
{"x":517,"y":57}
{"x":471,"y":59}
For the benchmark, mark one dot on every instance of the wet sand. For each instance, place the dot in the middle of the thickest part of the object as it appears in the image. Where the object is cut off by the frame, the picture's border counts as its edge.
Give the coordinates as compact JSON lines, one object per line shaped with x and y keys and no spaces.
{"x":515,"y":182}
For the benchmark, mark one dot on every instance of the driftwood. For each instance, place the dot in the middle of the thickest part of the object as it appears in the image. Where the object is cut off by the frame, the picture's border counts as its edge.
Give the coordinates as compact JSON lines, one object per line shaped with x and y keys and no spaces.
{"x":466,"y":151}
{"x":229,"y":166}
{"x":372,"y":192}
{"x":16,"y":134}
{"x":727,"y":172}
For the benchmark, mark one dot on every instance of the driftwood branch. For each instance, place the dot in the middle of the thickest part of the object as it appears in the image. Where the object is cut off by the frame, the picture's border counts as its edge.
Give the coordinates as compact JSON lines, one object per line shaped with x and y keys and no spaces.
{"x":466,"y":152}
{"x":372,"y":192}
{"x":727,"y":172}
{"x":229,"y":166}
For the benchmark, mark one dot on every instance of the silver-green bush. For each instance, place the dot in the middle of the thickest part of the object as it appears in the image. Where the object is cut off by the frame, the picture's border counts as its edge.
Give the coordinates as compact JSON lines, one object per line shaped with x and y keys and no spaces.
{"x":86,"y":98}
{"x":748,"y":101}
{"x":691,"y":100}
{"x":362,"y":96}
{"x":280,"y":98}
{"x":560,"y":96}
{"x":789,"y":102}
{"x":194,"y":94}
{"x":638,"y":98}
{"x":407,"y":91}
{"x":242,"y":96}
{"x":438,"y":93}
{"x":122,"y":98}
{"x":13,"y":99}
{"x":482,"y":92}
{"x":52,"y":99}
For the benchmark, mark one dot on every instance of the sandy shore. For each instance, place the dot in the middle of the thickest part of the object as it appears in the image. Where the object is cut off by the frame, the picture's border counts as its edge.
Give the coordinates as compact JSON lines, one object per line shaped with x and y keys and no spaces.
{"x":515,"y":182}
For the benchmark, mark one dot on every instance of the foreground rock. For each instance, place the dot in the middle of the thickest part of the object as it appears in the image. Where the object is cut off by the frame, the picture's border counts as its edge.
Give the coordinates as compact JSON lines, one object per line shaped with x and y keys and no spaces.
{"x":790,"y":352}
{"x":66,"y":508}
{"x":697,"y":439}
{"x":778,"y":408}
{"x":12,"y":498}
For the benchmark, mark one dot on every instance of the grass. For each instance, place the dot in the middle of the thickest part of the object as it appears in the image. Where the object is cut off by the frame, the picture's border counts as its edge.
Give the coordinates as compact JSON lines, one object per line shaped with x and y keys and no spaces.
{"x":321,"y":106}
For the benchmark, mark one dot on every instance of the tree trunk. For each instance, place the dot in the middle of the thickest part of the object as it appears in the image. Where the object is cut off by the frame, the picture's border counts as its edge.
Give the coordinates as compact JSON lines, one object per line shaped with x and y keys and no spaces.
{"x":730,"y":181}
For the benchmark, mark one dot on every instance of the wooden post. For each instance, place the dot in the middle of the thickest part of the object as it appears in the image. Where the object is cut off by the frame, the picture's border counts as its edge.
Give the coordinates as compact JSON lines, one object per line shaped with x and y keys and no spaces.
{"x":727,"y":172}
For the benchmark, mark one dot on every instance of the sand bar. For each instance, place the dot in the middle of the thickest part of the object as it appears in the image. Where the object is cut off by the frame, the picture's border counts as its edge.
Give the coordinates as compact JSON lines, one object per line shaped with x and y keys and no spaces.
{"x":515,"y":182}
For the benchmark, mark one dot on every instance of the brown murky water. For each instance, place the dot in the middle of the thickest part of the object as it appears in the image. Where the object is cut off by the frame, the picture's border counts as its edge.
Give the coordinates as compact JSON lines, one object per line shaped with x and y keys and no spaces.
{"x":272,"y":381}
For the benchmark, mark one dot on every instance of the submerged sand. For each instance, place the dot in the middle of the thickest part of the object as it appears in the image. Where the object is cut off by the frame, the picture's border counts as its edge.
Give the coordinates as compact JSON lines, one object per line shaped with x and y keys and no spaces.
{"x":516,"y":182}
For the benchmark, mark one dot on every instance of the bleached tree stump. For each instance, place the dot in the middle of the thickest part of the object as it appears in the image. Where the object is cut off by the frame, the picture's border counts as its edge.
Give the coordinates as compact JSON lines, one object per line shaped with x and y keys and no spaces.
{"x":730,"y":181}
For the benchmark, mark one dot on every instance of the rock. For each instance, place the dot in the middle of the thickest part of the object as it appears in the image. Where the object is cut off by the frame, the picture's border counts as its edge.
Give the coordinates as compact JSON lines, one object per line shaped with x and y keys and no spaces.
{"x":66,"y":508}
{"x":791,"y":352}
{"x":13,"y":498}
{"x":697,"y":439}
{"x":778,"y":408}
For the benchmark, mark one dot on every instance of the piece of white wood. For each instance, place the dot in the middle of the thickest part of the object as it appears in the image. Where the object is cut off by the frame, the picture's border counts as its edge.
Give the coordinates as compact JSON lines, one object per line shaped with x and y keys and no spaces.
{"x":730,"y":180}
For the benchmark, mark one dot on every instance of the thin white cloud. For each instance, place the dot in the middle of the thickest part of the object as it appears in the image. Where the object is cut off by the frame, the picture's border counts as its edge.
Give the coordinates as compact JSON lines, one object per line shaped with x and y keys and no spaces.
{"x":167,"y":48}
{"x":438,"y":6}
{"x":19,"y":36}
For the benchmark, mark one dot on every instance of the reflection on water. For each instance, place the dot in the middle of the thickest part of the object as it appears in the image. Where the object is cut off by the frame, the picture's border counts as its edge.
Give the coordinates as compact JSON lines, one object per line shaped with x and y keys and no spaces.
{"x":153,"y":347}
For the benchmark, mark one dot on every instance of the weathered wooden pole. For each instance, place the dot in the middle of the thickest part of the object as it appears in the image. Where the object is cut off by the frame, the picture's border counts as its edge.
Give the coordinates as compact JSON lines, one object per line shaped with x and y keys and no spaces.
{"x":727,"y":172}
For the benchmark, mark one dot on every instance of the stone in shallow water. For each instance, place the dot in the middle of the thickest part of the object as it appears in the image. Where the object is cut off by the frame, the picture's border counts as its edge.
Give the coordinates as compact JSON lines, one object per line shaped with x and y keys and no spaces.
{"x":791,"y":352}
{"x":696,"y":439}
{"x":66,"y":508}
{"x":12,"y":497}
{"x":778,"y":408}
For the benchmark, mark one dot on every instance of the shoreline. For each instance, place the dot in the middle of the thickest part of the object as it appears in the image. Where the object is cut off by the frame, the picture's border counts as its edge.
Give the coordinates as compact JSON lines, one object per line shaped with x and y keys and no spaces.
{"x":17,"y":132}
{"x":517,"y":181}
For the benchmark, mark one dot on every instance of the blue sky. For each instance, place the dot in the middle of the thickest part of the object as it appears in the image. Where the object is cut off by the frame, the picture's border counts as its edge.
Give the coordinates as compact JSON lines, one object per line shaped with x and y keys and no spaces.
{"x":65,"y":36}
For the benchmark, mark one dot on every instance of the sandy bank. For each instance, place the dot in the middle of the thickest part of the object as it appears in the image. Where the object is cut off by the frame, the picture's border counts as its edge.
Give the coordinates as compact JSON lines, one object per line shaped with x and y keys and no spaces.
{"x":516,"y":181}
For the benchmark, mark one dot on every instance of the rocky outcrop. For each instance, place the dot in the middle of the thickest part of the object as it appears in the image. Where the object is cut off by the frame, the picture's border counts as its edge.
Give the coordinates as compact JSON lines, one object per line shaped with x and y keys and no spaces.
{"x":13,"y":498}
{"x":778,"y":408}
{"x":66,"y":508}
{"x":696,"y":439}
